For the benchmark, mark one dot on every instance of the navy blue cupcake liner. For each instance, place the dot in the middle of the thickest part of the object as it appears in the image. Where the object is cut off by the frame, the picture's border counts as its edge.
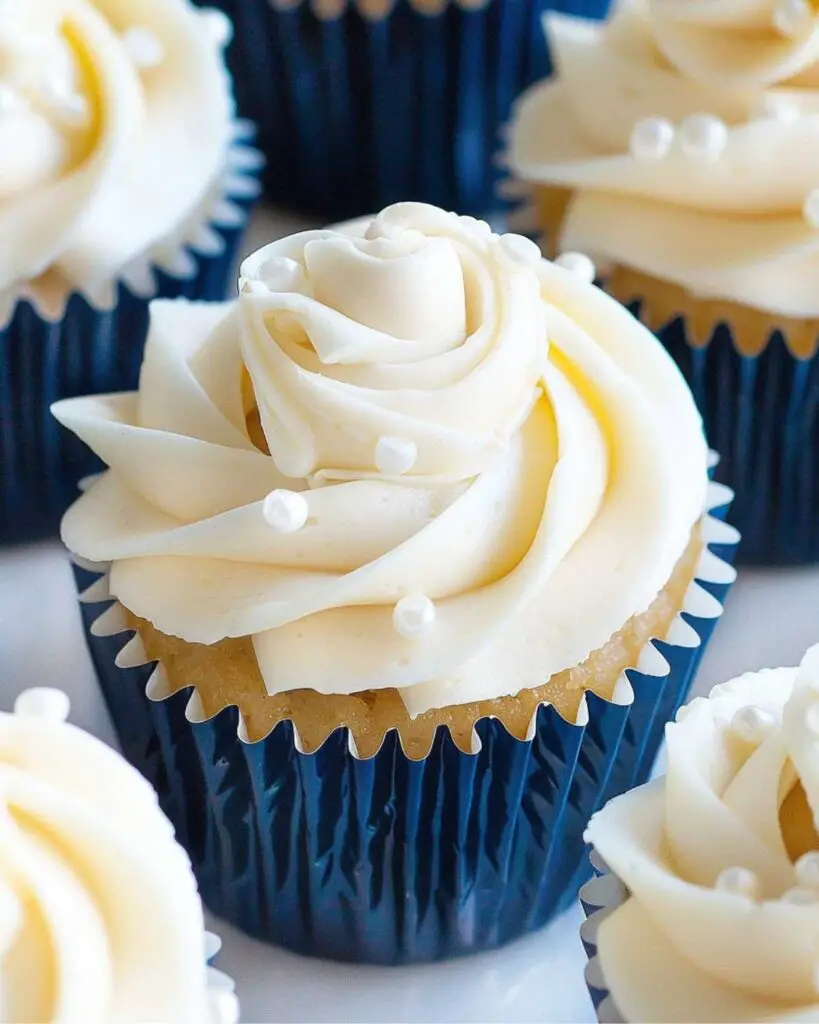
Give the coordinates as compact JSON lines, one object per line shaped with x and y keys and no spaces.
{"x":391,"y":860}
{"x":599,"y":897}
{"x":357,"y":111}
{"x":91,"y":350}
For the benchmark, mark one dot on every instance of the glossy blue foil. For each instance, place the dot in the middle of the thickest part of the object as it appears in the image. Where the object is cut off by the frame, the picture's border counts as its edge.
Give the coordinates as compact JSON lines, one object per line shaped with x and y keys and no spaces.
{"x":389,"y":860}
{"x":357,"y":113}
{"x":88,"y":351}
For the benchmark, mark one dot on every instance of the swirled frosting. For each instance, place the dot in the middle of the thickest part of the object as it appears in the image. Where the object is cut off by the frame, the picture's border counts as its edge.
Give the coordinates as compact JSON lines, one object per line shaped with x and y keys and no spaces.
{"x":99,"y":162}
{"x":721,"y":859}
{"x":688,"y":134}
{"x":413,"y":455}
{"x":100,"y":921}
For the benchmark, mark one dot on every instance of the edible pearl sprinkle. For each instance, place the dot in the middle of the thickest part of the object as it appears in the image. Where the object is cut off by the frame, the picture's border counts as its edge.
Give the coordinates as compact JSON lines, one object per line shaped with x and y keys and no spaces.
{"x":577,"y":263}
{"x":810,"y":210}
{"x":739,"y":881}
{"x":413,"y":616}
{"x":703,"y":136}
{"x":395,"y":456}
{"x":753,"y":723}
{"x":145,"y":48}
{"x":651,"y":138}
{"x":801,"y":896}
{"x":285,"y":511}
{"x":43,"y":702}
{"x":218,"y":25}
{"x":281,"y":274}
{"x":778,"y":108}
{"x":807,"y":869}
{"x":521,"y":249}
{"x":792,"y":17}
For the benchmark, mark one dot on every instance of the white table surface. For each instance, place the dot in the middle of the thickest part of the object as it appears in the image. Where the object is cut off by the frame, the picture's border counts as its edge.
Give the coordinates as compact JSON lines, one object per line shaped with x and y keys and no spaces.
{"x":770,"y":619}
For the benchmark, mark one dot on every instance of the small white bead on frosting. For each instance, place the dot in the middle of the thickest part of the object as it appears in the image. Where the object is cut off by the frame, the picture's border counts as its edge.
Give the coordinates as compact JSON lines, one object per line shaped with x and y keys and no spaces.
{"x":739,"y":881}
{"x":651,"y":138}
{"x":792,"y":17}
{"x":281,"y":274}
{"x":577,"y":263}
{"x":285,"y":511}
{"x":703,"y":136}
{"x":395,"y":456}
{"x":807,"y":870}
{"x":753,"y":723}
{"x":521,"y":249}
{"x":43,"y":702}
{"x":800,"y":895}
{"x":144,"y":47}
{"x":413,"y":616}
{"x":778,"y":108}
{"x":218,"y":25}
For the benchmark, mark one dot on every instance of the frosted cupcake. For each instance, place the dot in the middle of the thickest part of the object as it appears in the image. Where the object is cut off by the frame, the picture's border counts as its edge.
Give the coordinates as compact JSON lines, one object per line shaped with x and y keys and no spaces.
{"x":414,"y":504}
{"x":108,"y":198}
{"x":100,"y":920}
{"x":712,"y":910}
{"x":676,"y":145}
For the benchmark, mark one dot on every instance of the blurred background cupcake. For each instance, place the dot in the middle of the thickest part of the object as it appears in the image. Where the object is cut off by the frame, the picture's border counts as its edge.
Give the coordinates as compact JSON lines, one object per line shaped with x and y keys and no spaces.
{"x":708,"y":905}
{"x":362,"y":103}
{"x":415,"y":553}
{"x":678,"y":145}
{"x":100,"y":920}
{"x":123,"y":176}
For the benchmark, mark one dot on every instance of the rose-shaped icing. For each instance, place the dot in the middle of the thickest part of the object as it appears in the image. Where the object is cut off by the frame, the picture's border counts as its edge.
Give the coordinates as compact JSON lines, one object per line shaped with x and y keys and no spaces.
{"x":721,"y":859}
{"x":688,"y":134}
{"x":412,"y":455}
{"x":115,"y":122}
{"x":100,"y":921}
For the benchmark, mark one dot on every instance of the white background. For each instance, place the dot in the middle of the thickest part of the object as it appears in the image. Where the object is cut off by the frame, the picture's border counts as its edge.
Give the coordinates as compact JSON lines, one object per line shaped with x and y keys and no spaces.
{"x":771,"y":618}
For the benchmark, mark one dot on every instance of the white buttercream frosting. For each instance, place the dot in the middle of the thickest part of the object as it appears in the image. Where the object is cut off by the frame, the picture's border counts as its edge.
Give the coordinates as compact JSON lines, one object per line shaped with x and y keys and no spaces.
{"x":115,"y":124}
{"x":688,"y":133}
{"x":100,"y":921}
{"x":721,"y":860}
{"x":480,"y":466}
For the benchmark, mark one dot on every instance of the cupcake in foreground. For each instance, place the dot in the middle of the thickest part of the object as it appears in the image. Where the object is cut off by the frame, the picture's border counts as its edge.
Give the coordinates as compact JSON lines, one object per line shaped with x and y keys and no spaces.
{"x":413,"y":505}
{"x":107,"y":199}
{"x":100,"y":921}
{"x":677,"y":145}
{"x":711,"y":912}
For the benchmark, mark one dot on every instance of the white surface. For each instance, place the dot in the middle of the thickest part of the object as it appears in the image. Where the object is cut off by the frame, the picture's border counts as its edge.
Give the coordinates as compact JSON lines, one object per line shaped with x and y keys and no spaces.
{"x":771,"y":618}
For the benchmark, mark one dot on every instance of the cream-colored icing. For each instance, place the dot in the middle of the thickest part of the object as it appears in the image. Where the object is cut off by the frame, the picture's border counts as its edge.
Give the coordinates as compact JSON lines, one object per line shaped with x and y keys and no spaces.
{"x":542,"y":464}
{"x":681,"y":948}
{"x":100,"y":921}
{"x":99,"y":159}
{"x":729,"y":225}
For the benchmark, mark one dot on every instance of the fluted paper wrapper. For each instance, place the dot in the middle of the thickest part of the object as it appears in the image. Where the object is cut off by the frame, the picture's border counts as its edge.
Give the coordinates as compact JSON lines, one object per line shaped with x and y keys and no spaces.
{"x":365,"y":103}
{"x":387,"y":859}
{"x":600,"y":897}
{"x":97,"y":349}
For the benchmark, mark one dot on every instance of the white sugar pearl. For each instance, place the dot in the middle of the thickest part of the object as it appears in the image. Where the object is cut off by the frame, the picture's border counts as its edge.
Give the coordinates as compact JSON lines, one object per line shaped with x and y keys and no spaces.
{"x":801,"y":896}
{"x":792,"y":17}
{"x":779,"y":108}
{"x":285,"y":511}
{"x":651,"y":138}
{"x":218,"y":25}
{"x":521,"y":249}
{"x":43,"y":702}
{"x":413,"y":616}
{"x":703,"y":136}
{"x":281,"y":274}
{"x":753,"y":724}
{"x":739,"y":881}
{"x":394,"y":455}
{"x":807,"y":869}
{"x":144,"y":47}
{"x":577,"y":263}
{"x":810,"y":210}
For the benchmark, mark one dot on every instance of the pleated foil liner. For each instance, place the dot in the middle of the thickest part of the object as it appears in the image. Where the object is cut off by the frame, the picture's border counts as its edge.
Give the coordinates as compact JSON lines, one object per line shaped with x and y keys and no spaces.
{"x":363,"y":103}
{"x":599,"y":897}
{"x":390,"y":860}
{"x":92,"y":350}
{"x":223,"y":1004}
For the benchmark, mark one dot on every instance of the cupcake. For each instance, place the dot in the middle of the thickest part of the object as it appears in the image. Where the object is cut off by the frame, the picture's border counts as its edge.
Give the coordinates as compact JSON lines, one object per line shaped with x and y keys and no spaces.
{"x":711,"y":890}
{"x":361,"y":103}
{"x":676,"y":145}
{"x":108,"y":198}
{"x":100,"y":920}
{"x":405,"y":515}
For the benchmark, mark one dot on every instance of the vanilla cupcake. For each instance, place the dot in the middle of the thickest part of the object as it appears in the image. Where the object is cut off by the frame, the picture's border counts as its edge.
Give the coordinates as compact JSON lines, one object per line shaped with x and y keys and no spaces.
{"x":108,"y":197}
{"x":414,"y":505}
{"x":711,"y":912}
{"x":677,"y":145}
{"x":100,"y":921}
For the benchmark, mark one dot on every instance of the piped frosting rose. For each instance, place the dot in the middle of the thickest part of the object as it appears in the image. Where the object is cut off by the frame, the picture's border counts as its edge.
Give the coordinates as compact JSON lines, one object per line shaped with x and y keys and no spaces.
{"x":99,"y":159}
{"x":721,"y":859}
{"x":688,"y":134}
{"x":413,"y":455}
